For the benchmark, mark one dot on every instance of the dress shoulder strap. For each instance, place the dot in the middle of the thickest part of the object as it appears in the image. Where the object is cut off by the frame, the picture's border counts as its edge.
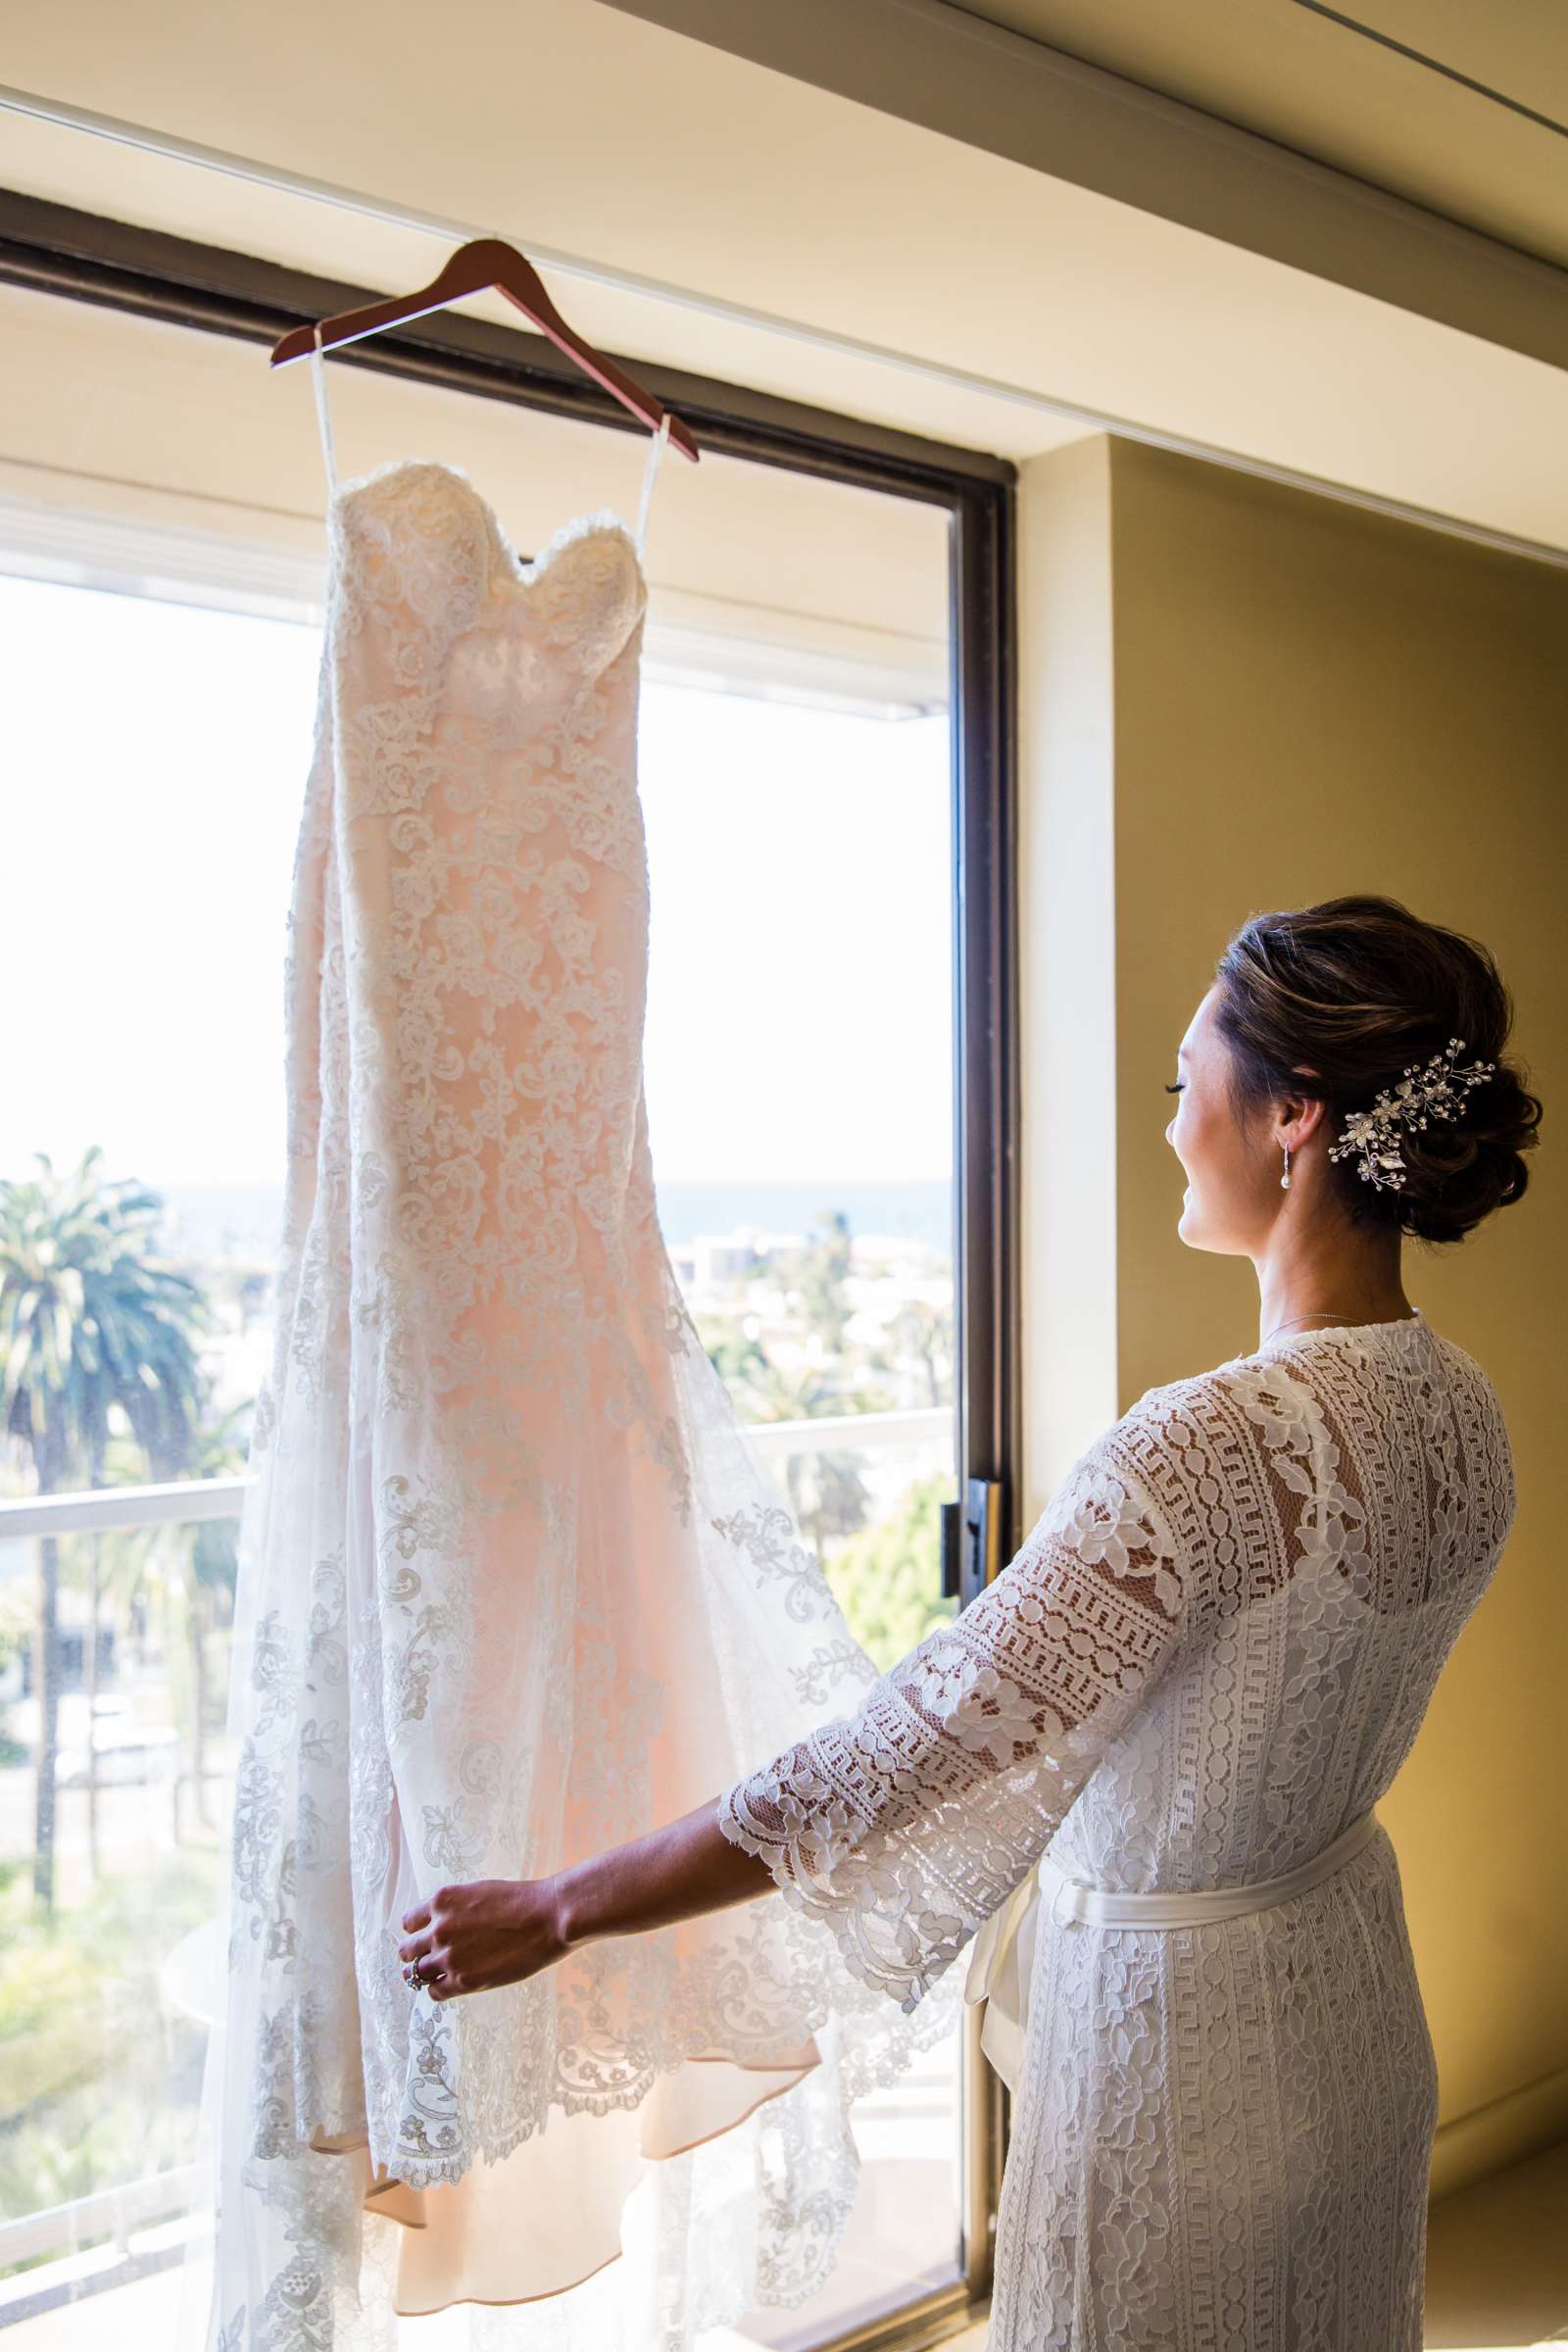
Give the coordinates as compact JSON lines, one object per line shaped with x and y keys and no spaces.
{"x":323,"y":416}
{"x":656,"y":452}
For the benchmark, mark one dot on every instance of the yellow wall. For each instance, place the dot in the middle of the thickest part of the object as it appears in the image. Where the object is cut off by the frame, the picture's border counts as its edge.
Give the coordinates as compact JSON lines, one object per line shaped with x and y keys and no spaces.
{"x":1067,"y":958}
{"x":1306,"y":700}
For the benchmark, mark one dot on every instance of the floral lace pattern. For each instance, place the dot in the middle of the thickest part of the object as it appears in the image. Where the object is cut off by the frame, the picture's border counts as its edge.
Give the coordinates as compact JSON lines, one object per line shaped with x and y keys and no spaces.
{"x":512,"y":1587}
{"x":1212,"y":1654}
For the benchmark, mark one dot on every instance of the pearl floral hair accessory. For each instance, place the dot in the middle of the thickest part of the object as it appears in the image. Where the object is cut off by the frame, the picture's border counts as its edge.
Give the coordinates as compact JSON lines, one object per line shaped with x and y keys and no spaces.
{"x":1439,"y":1091}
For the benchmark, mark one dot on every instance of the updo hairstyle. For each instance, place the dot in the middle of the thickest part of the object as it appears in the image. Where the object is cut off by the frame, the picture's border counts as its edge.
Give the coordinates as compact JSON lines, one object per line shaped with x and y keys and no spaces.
{"x":1347,"y":995}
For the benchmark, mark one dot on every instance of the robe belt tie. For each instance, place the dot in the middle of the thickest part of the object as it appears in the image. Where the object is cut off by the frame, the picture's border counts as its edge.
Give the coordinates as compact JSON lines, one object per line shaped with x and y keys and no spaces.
{"x":1002,"y":1962}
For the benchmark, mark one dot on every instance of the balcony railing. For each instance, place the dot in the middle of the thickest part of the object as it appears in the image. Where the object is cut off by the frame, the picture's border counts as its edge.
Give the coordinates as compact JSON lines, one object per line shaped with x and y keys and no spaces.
{"x":185,"y":1500}
{"x":114,"y":2213}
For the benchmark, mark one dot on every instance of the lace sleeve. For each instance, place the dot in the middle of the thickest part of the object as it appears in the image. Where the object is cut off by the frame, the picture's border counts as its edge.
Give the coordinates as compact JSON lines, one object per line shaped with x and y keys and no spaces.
{"x":903,"y":1826}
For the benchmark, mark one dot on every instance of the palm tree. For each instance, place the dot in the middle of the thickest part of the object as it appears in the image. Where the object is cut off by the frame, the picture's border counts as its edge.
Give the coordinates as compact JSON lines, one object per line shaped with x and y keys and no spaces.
{"x":94,"y":1321}
{"x":107,"y":1560}
{"x":211,"y":1549}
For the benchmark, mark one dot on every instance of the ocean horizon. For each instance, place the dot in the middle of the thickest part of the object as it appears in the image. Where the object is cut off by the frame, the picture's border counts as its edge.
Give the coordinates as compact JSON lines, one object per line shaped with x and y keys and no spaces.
{"x":224,"y":1220}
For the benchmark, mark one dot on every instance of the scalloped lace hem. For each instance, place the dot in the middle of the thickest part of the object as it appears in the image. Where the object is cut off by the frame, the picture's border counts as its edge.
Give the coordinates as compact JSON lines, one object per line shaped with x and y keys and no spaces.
{"x":909,"y":1994}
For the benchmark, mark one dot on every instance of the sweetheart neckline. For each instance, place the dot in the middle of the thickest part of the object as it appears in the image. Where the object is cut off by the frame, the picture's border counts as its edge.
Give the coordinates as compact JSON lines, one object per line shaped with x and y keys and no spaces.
{"x":597,"y":522}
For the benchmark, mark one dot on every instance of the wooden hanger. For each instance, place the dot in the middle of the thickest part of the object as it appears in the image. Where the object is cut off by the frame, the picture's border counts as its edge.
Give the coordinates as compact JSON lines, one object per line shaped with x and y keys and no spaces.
{"x":485,"y":263}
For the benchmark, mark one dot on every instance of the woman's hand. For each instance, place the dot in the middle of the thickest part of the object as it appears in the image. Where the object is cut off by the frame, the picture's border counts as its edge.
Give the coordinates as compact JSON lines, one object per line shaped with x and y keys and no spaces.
{"x":499,"y":1931}
{"x":491,"y":1931}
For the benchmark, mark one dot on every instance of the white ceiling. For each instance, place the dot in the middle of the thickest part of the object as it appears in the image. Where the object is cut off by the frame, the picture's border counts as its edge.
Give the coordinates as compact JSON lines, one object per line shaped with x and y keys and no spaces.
{"x":786,"y":235}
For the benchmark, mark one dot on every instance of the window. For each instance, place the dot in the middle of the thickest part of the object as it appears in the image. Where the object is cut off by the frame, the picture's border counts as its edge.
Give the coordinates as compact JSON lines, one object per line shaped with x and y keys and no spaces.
{"x":807,"y":980}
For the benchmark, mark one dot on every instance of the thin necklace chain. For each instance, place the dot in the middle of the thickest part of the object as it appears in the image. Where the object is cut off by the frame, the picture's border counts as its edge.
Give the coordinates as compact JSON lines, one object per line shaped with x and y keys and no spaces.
{"x":1313,"y":1312}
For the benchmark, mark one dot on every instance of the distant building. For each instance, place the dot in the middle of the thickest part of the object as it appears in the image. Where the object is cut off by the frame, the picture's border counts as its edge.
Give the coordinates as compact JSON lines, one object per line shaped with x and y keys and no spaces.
{"x":720,"y":1258}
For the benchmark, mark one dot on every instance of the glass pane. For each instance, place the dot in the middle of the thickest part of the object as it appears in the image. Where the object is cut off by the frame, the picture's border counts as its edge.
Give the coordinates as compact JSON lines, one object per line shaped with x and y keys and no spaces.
{"x":154,"y":837}
{"x":798,"y":1076}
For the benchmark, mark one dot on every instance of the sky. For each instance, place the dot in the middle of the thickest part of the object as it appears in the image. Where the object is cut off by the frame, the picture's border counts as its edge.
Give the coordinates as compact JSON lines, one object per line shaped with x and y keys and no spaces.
{"x":801,"y":976}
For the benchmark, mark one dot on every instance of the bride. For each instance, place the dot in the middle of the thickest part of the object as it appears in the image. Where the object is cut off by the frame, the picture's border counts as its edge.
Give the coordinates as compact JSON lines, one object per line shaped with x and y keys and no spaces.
{"x":1178,"y":1706}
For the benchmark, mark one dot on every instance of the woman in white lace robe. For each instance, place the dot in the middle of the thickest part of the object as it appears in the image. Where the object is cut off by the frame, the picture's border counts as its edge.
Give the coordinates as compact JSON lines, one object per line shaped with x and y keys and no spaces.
{"x":1204,"y":1666}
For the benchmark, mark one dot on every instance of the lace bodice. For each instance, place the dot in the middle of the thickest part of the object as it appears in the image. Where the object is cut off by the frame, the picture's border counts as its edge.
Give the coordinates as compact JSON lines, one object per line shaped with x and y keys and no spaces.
{"x":1211,"y":1653}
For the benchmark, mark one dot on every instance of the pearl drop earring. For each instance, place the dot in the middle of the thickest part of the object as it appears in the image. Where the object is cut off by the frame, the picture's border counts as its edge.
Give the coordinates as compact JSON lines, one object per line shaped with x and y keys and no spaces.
{"x":1284,"y":1179}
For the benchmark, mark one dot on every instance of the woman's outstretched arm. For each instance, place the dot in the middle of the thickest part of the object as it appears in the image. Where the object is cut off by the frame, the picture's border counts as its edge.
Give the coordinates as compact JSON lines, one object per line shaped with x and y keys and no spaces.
{"x":904,"y":1824}
{"x":499,"y":1931}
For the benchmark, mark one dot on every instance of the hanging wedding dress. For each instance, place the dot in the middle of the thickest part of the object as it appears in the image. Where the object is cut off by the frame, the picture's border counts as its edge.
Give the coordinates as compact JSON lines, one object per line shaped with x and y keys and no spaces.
{"x":513,"y":1588}
{"x":1143,"y":1765}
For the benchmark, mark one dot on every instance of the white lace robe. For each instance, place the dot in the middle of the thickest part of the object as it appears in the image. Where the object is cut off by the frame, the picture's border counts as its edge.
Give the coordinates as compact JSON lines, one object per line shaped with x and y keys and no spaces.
{"x":1212,"y":1653}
